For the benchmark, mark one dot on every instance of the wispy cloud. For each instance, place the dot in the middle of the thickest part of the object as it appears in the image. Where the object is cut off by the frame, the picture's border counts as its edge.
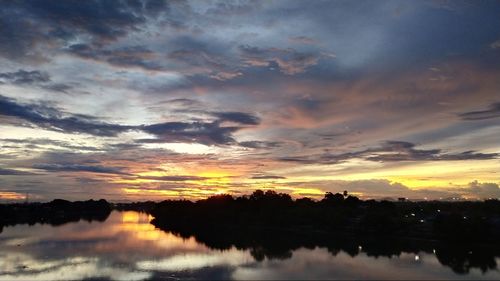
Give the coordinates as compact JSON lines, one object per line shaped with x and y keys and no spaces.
{"x":14,"y":172}
{"x":79,"y":168}
{"x":492,"y":112}
{"x":51,"y":118}
{"x":391,"y":151}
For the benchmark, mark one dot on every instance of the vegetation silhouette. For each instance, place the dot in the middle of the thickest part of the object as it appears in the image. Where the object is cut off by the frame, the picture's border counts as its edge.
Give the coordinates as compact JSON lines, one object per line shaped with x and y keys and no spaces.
{"x":56,"y":212}
{"x":271,"y":225}
{"x":457,"y":221}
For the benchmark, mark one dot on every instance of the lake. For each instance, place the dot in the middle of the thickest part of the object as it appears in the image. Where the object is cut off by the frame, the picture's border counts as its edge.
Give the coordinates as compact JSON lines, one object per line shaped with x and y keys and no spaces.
{"x":127,"y":247}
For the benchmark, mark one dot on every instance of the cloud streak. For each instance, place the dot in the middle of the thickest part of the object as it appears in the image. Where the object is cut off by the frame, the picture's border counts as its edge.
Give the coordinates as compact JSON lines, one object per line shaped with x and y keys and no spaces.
{"x":79,"y":168}
{"x":391,"y":151}
{"x":51,"y":118}
{"x":492,"y":112}
{"x":14,"y":172}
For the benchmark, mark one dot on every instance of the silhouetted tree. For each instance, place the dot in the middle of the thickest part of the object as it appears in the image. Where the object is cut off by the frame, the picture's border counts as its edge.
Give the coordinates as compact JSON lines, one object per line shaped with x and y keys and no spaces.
{"x":333,"y":198}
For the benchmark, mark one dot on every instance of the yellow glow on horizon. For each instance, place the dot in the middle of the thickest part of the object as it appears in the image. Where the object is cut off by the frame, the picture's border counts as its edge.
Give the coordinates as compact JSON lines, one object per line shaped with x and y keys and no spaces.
{"x":313,"y":182}
{"x":433,"y":174}
{"x":215,"y":177}
{"x":6,"y":195}
{"x":152,"y":191}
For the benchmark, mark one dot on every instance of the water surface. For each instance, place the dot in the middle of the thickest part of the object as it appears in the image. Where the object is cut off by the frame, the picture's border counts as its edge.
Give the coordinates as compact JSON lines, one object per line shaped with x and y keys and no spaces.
{"x":127,"y":247}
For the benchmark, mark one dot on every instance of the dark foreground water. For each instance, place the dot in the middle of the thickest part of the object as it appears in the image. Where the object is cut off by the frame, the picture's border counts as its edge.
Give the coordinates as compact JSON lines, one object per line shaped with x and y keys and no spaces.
{"x":127,"y":247}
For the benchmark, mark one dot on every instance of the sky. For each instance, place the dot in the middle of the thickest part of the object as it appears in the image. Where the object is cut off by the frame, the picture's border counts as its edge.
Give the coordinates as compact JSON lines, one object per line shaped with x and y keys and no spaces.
{"x":153,"y":100}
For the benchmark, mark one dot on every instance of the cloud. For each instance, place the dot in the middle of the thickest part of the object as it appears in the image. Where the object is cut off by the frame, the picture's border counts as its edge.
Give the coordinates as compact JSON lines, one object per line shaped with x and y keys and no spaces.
{"x":13,"y":172}
{"x":33,"y":78}
{"x":492,"y":112}
{"x":288,"y":60}
{"x":135,"y":56}
{"x":79,"y":168}
{"x":196,"y":132}
{"x":25,"y":77}
{"x":27,"y":26}
{"x":495,"y":45}
{"x":58,"y":87}
{"x":405,"y":151}
{"x":226,"y":75}
{"x":32,"y":143}
{"x":484,"y":190}
{"x":209,"y":133}
{"x":260,"y":144}
{"x":174,"y":178}
{"x":267,"y":177}
{"x":182,"y":102}
{"x":303,"y":40}
{"x":53,"y":119}
{"x":391,"y":151}
{"x":237,"y":117}
{"x":204,"y":59}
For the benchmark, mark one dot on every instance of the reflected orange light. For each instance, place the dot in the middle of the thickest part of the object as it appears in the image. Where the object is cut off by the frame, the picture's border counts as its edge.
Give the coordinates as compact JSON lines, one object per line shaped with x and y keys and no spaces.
{"x":130,"y":217}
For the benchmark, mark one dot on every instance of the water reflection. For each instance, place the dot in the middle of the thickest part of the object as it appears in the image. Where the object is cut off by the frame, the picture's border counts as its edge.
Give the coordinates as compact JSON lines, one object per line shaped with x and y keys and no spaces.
{"x":127,"y":247}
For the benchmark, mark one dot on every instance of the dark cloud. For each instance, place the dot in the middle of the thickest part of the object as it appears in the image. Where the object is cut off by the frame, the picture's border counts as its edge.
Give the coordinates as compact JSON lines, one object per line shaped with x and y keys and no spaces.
{"x":27,"y":25}
{"x":405,"y":151}
{"x":13,"y":172}
{"x":36,"y":143}
{"x":25,"y":77}
{"x":136,"y":56}
{"x":79,"y":168}
{"x":124,"y":146}
{"x":288,"y":60}
{"x":203,"y":59}
{"x":303,"y":40}
{"x":224,"y":9}
{"x":267,"y":177}
{"x":19,"y":34}
{"x":182,"y":102}
{"x":238,"y":117}
{"x":34,"y":78}
{"x":53,"y":119}
{"x":492,"y":112}
{"x":195,"y":132}
{"x":101,"y":19}
{"x":391,"y":151}
{"x":260,"y":144}
{"x":175,"y":178}
{"x":209,"y":133}
{"x":58,"y":87}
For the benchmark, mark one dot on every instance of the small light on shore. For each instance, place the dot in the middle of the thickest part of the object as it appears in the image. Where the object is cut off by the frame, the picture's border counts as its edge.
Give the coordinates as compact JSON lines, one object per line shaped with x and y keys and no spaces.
{"x":417,"y":257}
